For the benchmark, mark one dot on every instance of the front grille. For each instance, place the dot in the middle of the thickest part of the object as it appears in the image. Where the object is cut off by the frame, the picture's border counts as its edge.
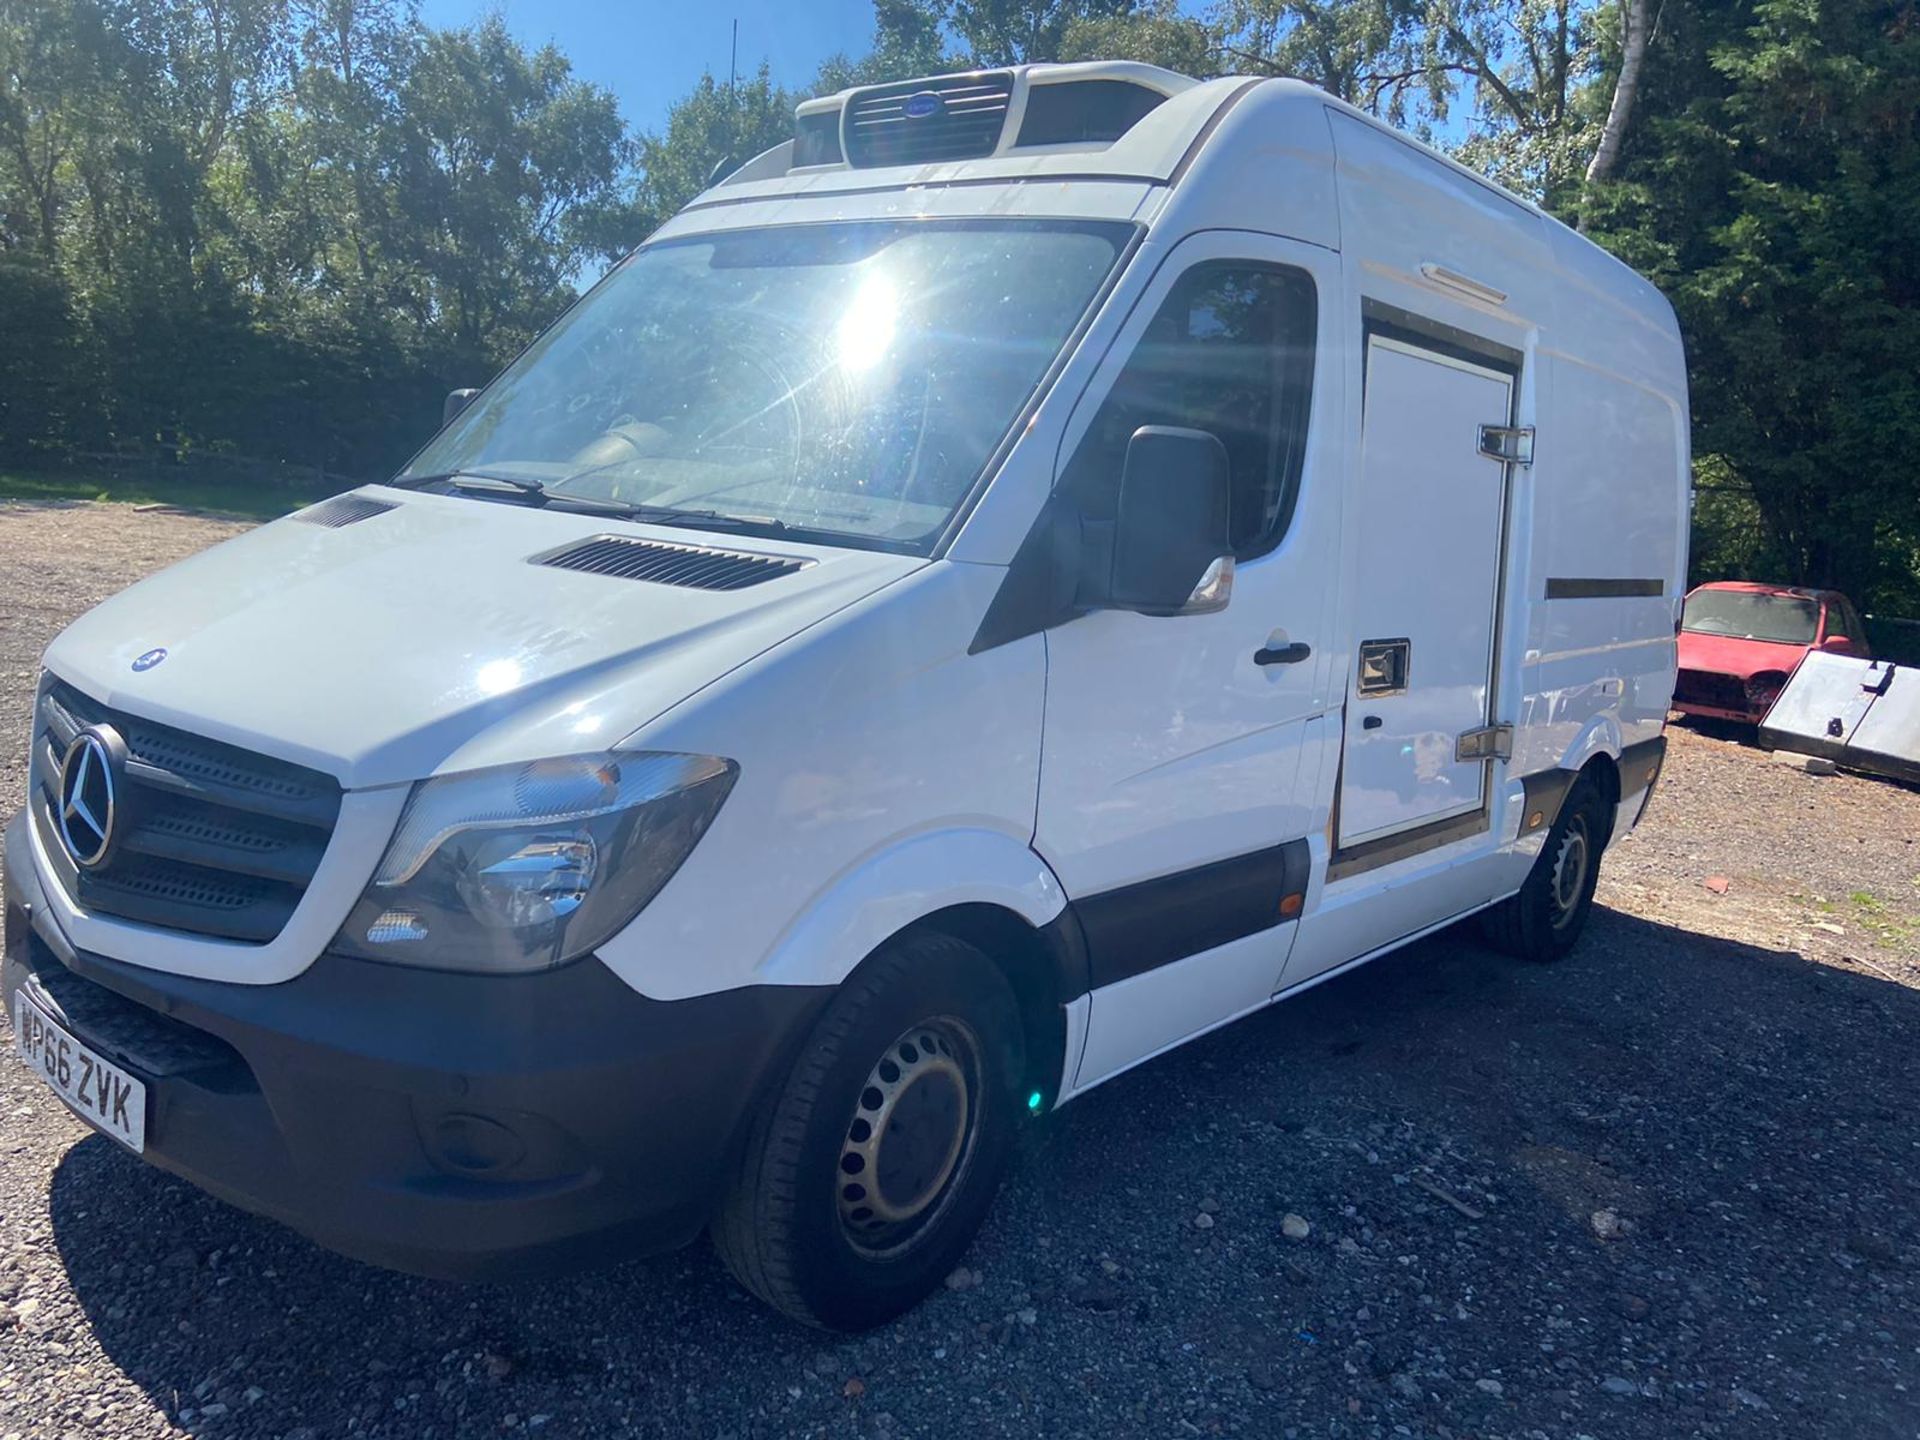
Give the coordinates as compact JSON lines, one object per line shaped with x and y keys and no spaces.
{"x":953,"y":117}
{"x":208,"y":838}
{"x":1703,"y":687}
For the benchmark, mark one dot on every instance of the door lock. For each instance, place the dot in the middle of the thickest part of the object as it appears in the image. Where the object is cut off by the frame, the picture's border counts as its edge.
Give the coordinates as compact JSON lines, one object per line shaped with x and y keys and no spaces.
{"x":1384,"y":665}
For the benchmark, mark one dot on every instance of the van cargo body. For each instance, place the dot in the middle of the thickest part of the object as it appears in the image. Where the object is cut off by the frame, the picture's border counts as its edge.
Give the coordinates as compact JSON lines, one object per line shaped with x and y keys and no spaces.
{"x":1043,"y":564}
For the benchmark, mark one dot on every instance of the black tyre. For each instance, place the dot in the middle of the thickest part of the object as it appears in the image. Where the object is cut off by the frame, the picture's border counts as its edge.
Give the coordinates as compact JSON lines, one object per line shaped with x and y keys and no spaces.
{"x":868,"y":1173}
{"x":1545,"y":919}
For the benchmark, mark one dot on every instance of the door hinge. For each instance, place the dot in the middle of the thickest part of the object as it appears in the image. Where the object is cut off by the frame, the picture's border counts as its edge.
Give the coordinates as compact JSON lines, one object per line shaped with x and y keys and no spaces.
{"x":1489,"y":742}
{"x":1511,"y":443}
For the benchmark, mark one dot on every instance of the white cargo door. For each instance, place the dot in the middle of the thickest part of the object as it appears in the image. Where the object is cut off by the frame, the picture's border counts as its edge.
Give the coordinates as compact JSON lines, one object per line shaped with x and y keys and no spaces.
{"x":1426,"y":589}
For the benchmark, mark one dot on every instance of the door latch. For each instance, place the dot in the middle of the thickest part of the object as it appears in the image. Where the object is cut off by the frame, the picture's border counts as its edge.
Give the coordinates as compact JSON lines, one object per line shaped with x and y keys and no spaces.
{"x":1489,"y":742}
{"x":1384,"y":665}
{"x":1511,"y":443}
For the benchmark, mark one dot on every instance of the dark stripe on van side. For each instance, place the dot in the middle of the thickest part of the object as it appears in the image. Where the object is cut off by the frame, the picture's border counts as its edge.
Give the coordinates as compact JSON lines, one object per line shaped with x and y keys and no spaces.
{"x":1561,"y":587}
{"x":1141,"y":927}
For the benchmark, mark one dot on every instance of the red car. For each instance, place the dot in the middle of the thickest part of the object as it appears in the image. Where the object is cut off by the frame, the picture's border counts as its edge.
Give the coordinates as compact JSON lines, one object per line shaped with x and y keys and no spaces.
{"x":1739,"y":641}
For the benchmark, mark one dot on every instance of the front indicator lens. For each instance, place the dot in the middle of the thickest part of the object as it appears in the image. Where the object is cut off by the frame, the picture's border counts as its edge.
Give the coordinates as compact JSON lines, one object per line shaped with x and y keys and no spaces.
{"x":528,"y":866}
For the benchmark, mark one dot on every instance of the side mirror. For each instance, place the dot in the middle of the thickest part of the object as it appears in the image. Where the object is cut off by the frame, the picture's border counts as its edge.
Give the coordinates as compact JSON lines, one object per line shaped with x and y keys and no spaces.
{"x":1836,"y":642}
{"x":456,"y":401}
{"x":1172,"y":548}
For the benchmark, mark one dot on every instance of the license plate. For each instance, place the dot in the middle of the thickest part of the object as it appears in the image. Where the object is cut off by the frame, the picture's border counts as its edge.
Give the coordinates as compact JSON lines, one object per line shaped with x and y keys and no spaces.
{"x":98,"y":1091}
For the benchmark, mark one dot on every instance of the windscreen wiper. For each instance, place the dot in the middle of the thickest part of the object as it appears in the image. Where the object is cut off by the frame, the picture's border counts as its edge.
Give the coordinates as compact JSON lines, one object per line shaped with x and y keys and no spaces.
{"x":666,"y":514}
{"x":538,"y":494}
{"x":533,"y":490}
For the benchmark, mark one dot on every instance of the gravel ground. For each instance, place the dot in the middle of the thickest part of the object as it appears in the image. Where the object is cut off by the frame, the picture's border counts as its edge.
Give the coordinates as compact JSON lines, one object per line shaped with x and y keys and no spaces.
{"x":1670,"y":1187}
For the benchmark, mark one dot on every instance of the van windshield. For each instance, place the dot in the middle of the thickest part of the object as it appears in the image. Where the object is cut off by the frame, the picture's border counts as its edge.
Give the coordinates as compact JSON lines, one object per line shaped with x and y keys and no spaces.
{"x":850,"y":379}
{"x":1751,"y":615}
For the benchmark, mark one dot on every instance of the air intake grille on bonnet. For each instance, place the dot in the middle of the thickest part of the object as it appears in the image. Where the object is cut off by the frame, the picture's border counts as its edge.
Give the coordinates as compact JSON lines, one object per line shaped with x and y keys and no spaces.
{"x":956,"y":117}
{"x":344,"y":510}
{"x":208,"y":838}
{"x":695,"y":566}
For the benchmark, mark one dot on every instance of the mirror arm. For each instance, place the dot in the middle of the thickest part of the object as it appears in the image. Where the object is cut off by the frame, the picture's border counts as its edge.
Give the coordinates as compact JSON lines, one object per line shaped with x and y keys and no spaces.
{"x":1045,"y":584}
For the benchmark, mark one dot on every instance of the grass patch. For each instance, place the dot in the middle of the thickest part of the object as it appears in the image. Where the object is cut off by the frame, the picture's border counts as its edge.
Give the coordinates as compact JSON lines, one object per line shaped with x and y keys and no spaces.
{"x":1886,"y":924}
{"x":255,"y":501}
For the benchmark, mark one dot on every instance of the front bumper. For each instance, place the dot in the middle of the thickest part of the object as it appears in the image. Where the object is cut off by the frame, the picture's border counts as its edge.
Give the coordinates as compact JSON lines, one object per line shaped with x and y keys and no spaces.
{"x":1745,"y":715}
{"x":462,"y":1126}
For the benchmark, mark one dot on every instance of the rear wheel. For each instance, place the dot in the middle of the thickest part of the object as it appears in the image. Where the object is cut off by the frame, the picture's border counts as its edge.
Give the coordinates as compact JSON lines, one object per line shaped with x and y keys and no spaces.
{"x":866,"y":1177}
{"x":1545,"y":919}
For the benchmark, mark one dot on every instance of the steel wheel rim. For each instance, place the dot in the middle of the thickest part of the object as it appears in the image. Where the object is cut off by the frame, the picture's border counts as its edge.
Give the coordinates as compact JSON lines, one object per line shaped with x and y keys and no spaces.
{"x":1570,"y":864}
{"x":910,"y":1137}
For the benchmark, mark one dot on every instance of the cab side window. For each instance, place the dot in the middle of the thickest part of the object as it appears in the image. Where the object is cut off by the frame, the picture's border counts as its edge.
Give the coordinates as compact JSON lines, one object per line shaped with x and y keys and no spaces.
{"x":1229,"y":352}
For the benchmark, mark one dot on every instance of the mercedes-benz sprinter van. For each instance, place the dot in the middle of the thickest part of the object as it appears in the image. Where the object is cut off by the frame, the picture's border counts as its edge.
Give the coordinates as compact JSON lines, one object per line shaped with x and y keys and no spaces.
{"x":1042,"y":564}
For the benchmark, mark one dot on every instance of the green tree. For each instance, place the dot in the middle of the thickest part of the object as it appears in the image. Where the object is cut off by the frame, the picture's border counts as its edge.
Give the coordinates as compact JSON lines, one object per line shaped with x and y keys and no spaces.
{"x":1534,"y":74}
{"x":713,"y":123}
{"x":908,"y":39}
{"x":1158,"y":34}
{"x":1770,"y":182}
{"x":1005,"y":32}
{"x":500,"y":152}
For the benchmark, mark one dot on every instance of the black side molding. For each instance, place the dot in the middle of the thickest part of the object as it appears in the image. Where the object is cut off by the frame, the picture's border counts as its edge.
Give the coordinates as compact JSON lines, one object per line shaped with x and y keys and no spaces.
{"x":1581,"y":587}
{"x":1141,"y":927}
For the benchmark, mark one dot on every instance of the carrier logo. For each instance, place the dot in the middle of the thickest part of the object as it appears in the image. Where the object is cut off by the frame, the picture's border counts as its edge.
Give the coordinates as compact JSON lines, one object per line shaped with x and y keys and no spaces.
{"x":87,"y":802}
{"x":151,"y":658}
{"x":919,"y":107}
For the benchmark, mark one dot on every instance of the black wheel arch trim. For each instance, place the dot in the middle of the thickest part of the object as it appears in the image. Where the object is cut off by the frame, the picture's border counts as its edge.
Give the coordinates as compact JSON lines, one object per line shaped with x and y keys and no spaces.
{"x":1546,"y":790}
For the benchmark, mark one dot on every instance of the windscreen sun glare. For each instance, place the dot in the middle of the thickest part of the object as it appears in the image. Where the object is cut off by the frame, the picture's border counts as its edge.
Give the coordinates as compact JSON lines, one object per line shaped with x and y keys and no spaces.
{"x":844,"y":380}
{"x":867,"y":327}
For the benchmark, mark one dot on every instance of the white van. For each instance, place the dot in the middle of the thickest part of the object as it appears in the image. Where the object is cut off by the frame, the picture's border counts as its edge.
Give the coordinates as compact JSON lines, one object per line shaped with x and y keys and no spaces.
{"x":1043,"y":564}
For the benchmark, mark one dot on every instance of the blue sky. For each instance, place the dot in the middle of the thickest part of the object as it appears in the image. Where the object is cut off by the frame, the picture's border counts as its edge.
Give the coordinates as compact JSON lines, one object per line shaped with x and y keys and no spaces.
{"x":650,"y":53}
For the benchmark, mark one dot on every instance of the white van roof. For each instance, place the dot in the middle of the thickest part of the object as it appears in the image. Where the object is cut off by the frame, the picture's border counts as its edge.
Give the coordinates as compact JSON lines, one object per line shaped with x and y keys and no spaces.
{"x":1092,"y":120}
{"x":1104,"y":132}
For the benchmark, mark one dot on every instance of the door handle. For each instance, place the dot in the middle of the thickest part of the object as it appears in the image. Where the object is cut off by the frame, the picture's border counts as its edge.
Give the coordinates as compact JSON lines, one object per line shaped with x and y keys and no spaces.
{"x":1282,"y":654}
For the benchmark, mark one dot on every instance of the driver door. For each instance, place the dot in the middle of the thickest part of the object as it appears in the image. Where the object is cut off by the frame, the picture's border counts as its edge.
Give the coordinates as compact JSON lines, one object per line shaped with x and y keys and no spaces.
{"x":1182,"y":753}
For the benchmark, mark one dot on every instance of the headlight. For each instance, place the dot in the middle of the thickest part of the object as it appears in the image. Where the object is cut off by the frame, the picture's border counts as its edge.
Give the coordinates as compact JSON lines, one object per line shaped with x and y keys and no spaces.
{"x":526,"y":866}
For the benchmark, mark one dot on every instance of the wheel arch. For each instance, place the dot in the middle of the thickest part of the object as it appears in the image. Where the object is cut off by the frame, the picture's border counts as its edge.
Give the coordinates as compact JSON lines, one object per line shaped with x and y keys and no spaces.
{"x":1604,"y":770}
{"x":1593,"y":756}
{"x":1599,"y":738}
{"x":905,"y":884}
{"x":1046,"y":968}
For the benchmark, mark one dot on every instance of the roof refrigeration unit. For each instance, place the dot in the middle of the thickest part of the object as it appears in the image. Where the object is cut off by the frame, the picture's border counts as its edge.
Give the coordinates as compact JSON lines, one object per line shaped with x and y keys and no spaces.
{"x":1863,"y":714}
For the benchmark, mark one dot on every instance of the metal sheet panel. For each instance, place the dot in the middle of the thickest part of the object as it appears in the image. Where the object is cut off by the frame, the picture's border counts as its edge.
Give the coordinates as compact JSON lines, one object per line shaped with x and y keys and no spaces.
{"x":1887,"y":740}
{"x":1821,"y":704}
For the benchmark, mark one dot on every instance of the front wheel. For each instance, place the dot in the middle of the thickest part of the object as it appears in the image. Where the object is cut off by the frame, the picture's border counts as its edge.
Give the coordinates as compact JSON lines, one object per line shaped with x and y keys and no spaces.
{"x":866,"y":1177}
{"x":1542,"y":922}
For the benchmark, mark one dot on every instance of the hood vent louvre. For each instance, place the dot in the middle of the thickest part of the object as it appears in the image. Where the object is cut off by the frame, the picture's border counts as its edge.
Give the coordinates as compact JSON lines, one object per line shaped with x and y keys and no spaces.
{"x":696,"y":567}
{"x":921,"y":122}
{"x":344,"y":510}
